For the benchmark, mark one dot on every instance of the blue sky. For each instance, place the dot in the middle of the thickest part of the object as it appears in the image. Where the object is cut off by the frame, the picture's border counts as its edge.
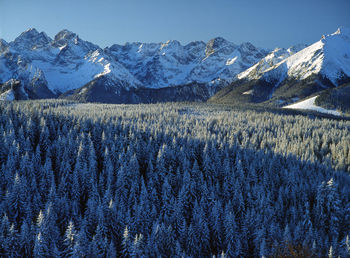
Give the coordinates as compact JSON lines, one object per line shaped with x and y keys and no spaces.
{"x":266,"y":23}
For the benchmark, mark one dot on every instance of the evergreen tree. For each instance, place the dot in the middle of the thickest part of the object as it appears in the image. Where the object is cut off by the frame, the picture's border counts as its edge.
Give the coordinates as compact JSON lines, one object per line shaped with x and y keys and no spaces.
{"x":69,"y":240}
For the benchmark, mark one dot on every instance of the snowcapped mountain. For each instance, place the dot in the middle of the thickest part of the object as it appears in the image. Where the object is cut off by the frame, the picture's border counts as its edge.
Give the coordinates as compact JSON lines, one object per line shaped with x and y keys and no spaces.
{"x":328,"y":57}
{"x":169,"y":64}
{"x":68,"y":66}
{"x":270,"y":60}
{"x":66,"y":63}
{"x":284,"y":76}
{"x":14,"y":66}
{"x":224,"y":60}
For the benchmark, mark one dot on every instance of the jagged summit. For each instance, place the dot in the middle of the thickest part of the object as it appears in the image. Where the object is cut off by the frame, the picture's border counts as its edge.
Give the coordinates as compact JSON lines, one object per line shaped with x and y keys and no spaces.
{"x":68,"y":62}
{"x":171,"y":43}
{"x":217,"y":44}
{"x":3,"y":45}
{"x":29,"y":32}
{"x":345,"y":31}
{"x":327,"y":57}
{"x":286,"y":75}
{"x":65,"y":35}
{"x":247,"y":46}
{"x":31,"y":39}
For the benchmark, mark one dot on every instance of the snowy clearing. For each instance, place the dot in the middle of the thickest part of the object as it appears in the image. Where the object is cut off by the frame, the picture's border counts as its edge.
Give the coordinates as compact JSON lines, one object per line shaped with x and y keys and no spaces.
{"x":309,"y":104}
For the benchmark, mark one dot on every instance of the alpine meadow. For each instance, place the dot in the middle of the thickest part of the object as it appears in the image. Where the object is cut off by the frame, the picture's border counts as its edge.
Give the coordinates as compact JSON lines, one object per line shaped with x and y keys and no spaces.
{"x":177,"y":129}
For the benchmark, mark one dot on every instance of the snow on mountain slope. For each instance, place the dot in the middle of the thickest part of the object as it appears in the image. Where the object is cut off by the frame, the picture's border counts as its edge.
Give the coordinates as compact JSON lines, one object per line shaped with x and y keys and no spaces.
{"x":67,"y":61}
{"x":155,"y":64}
{"x":328,"y":57}
{"x":30,"y":40}
{"x":337,"y":55}
{"x":309,"y":104}
{"x":7,"y":95}
{"x":170,"y":63}
{"x":273,"y":58}
{"x":13,"y":65}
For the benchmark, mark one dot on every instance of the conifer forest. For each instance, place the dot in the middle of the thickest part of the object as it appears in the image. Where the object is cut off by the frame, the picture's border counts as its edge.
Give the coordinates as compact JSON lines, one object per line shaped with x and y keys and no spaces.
{"x":171,"y":180}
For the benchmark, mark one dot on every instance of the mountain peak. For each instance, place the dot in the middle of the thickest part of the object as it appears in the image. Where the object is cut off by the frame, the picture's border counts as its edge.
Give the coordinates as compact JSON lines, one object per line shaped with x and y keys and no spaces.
{"x":3,"y":45}
{"x":31,"y":38}
{"x":28,"y":34}
{"x":173,"y":44}
{"x":30,"y":31}
{"x":65,"y":35}
{"x":343,"y":30}
{"x":218,"y":43}
{"x":247,"y":46}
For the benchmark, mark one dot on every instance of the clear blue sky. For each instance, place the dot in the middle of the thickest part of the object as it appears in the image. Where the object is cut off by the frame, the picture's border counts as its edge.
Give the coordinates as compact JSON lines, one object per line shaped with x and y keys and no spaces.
{"x":104,"y":22}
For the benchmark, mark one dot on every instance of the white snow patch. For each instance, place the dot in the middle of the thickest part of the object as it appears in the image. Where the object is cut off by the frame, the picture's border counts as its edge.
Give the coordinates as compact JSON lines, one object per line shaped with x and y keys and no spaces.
{"x":7,"y":95}
{"x":62,"y":47}
{"x":105,"y":71}
{"x":328,"y":57}
{"x":83,"y":91}
{"x":309,"y":104}
{"x":231,"y":61}
{"x":249,"y":92}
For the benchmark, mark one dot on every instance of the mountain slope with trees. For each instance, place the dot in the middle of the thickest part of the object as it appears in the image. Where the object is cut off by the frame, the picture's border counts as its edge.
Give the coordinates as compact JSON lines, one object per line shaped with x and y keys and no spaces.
{"x":322,"y":65}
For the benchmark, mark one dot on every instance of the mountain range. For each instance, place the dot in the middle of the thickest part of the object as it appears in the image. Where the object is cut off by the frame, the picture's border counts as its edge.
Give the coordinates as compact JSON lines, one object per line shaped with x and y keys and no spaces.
{"x":277,"y":80}
{"x":35,"y":66}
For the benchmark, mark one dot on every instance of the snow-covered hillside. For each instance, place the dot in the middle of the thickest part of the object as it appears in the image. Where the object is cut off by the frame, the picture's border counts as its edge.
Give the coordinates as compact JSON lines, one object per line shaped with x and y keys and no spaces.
{"x":273,"y":58}
{"x":309,"y":104}
{"x":67,"y":62}
{"x":168,"y":64}
{"x":49,"y":67}
{"x":328,"y":57}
